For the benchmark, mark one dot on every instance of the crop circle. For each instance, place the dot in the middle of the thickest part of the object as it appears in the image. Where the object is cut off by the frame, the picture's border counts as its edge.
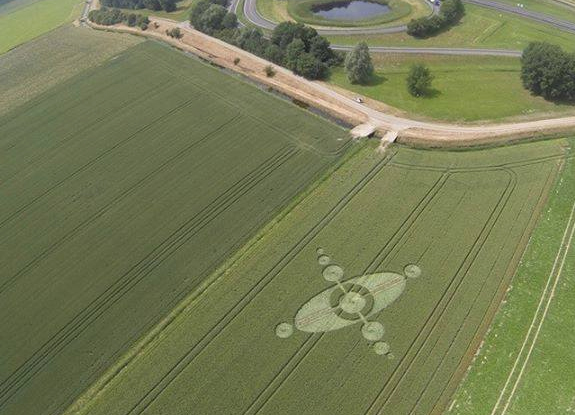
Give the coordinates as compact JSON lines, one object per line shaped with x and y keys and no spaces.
{"x":352,"y":302}
{"x":323,"y":260}
{"x":412,"y":271}
{"x":284,"y":330}
{"x":381,"y":348}
{"x":372,"y":331}
{"x":333,"y":273}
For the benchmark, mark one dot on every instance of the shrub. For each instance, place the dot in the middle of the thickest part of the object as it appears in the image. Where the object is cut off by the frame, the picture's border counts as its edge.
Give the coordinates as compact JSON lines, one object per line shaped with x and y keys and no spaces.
{"x":270,"y":71}
{"x":419,"y":80}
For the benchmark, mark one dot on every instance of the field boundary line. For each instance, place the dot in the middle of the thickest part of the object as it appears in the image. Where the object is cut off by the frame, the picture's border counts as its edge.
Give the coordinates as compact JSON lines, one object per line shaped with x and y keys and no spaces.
{"x":440,"y":309}
{"x":554,"y":274}
{"x":315,"y":338}
{"x":232,"y":313}
{"x":136,"y":273}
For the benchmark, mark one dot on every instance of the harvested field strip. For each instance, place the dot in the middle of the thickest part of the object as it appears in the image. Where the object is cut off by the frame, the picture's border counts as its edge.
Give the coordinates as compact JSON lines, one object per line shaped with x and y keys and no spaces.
{"x":123,"y":187}
{"x":463,"y":218}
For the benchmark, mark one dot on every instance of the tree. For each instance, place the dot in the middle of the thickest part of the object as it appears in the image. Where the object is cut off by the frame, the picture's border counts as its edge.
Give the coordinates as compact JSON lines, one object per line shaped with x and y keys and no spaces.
{"x":252,"y":40}
{"x":197,"y":12}
{"x":293,"y":51}
{"x":358,"y":65}
{"x":175,"y":32}
{"x":545,"y":71}
{"x":310,"y":67}
{"x":212,"y":19}
{"x":273,"y":53}
{"x":419,"y":80}
{"x":450,"y":13}
{"x":230,"y":21}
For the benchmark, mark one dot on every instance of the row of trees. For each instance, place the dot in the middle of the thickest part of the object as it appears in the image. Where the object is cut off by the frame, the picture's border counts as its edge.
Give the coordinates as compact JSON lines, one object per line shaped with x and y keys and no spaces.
{"x":292,"y":45}
{"x":450,"y":12}
{"x":167,"y":5}
{"x":548,"y":71}
{"x":108,"y":17}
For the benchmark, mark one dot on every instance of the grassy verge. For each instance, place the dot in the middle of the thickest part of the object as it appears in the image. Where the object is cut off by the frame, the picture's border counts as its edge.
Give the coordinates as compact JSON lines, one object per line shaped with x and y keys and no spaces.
{"x":34,"y":20}
{"x":479,"y":28}
{"x":551,"y":7}
{"x":465,"y":88}
{"x":547,"y":384}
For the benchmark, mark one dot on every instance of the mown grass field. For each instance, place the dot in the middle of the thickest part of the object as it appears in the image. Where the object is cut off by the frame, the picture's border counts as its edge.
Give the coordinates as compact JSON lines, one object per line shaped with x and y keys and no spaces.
{"x":479,"y":28}
{"x":564,"y":10}
{"x":122,"y":189}
{"x":465,"y":88}
{"x":526,"y":363}
{"x":20,"y":25}
{"x":55,"y":57}
{"x":462,"y":217}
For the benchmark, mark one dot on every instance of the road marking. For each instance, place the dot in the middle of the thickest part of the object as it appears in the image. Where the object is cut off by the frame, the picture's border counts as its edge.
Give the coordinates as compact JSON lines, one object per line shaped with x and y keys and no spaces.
{"x":565,"y":242}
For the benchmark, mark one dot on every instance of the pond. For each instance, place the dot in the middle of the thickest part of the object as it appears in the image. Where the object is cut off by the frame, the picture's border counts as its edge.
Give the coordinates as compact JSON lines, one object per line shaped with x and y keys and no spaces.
{"x":350,"y":10}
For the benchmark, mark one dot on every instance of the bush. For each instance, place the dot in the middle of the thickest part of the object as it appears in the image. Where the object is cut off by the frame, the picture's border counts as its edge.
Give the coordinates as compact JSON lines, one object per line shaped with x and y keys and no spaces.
{"x":450,"y":13}
{"x":270,"y":71}
{"x":419,"y":80}
{"x":236,"y":61}
{"x":175,"y":33}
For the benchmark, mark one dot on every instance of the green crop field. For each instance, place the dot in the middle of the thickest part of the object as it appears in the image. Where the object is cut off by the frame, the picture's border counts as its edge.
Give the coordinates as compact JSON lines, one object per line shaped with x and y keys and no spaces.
{"x":44,"y":62}
{"x":479,"y":28}
{"x":369,"y":296}
{"x":32,"y":20}
{"x":526,"y":363}
{"x":122,"y":189}
{"x":465,"y":88}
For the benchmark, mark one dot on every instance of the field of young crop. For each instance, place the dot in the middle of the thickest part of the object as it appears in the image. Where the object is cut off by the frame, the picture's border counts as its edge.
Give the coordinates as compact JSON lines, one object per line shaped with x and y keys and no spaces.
{"x":21,"y":24}
{"x":44,"y":62}
{"x":526,"y":363}
{"x":368,"y":297}
{"x":122,"y":189}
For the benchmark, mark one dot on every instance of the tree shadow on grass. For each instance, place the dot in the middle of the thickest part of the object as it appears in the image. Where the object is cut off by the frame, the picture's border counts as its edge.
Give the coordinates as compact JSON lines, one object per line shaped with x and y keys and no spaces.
{"x":431,"y":93}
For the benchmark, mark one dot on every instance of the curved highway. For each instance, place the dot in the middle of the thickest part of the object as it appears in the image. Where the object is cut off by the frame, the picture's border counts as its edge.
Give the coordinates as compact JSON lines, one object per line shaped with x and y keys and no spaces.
{"x":253,"y":16}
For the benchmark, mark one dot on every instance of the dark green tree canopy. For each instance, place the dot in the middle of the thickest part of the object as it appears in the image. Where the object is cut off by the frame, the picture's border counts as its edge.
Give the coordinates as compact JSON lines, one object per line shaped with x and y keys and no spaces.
{"x":548,"y":71}
{"x":358,"y":64}
{"x":419,"y":80}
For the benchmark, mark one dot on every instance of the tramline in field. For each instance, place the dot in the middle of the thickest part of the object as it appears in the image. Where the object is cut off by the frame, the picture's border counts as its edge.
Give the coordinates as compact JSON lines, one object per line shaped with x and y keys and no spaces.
{"x":270,"y":335}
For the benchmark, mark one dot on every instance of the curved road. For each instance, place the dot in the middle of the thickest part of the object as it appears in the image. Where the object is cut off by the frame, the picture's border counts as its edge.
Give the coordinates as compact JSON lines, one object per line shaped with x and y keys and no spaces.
{"x":253,"y":16}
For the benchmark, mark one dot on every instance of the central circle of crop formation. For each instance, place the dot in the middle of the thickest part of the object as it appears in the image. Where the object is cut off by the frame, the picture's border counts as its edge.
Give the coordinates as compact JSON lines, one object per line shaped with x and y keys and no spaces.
{"x":352,"y":303}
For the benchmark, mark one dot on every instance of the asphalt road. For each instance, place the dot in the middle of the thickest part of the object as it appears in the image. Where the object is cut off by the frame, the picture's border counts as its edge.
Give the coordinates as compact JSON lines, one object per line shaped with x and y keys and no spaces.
{"x":252,"y":15}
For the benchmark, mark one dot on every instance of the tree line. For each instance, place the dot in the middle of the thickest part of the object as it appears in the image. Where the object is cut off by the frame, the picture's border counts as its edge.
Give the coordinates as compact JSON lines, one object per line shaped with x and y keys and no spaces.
{"x":548,"y":71}
{"x":292,"y":45}
{"x":109,"y":17}
{"x":450,"y":12}
{"x":166,"y":5}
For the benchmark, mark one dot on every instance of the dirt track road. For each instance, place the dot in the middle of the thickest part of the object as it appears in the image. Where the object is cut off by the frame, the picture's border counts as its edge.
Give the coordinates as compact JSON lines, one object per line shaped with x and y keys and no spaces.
{"x":324,"y":97}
